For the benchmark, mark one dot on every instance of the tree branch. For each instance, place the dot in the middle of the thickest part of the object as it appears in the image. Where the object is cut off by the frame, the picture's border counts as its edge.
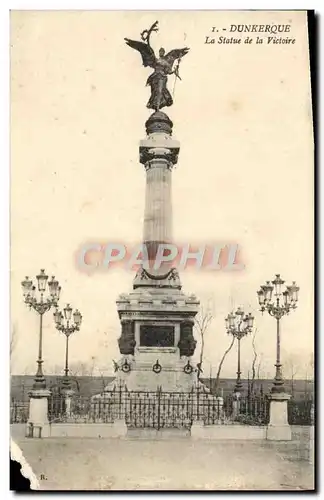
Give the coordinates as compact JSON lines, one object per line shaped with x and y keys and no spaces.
{"x":255,"y":355}
{"x":221,"y":363}
{"x":201,"y":324}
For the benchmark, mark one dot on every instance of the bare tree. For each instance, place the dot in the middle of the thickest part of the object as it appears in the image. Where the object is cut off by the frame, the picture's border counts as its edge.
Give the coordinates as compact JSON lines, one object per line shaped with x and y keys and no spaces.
{"x":104,"y":379}
{"x":255,"y":367}
{"x":81,"y":369}
{"x":311,"y":365}
{"x":259,"y":366}
{"x":292,"y":365}
{"x":203,"y":320}
{"x":221,"y":364}
{"x":309,"y":376}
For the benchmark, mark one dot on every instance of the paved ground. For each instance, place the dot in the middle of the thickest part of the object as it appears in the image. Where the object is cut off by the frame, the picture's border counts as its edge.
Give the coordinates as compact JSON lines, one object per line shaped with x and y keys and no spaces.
{"x":113,"y":464}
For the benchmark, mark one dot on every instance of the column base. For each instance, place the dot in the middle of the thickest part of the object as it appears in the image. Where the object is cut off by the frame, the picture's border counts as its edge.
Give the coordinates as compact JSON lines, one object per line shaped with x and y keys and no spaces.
{"x":279,"y":432}
{"x":38,"y":430}
{"x":278,"y":428}
{"x":37,"y":424}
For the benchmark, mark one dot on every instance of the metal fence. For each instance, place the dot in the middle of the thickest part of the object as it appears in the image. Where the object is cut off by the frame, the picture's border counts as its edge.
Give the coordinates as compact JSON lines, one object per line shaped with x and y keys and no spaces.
{"x":159,"y":409}
{"x":301,"y":412}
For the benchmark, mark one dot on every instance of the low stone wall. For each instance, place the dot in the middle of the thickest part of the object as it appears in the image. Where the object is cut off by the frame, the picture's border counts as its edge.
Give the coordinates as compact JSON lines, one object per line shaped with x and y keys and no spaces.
{"x":138,"y":433}
{"x":118,"y":429}
{"x":302,"y":443}
{"x":236,"y":432}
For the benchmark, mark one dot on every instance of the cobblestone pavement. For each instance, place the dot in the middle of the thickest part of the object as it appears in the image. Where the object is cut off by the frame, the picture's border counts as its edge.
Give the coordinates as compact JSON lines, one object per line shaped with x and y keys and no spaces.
{"x":177,"y":464}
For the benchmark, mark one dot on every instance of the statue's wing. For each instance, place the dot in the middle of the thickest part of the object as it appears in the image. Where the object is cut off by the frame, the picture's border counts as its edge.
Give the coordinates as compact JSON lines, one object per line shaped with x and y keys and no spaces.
{"x":147,"y":53}
{"x":176,"y":54}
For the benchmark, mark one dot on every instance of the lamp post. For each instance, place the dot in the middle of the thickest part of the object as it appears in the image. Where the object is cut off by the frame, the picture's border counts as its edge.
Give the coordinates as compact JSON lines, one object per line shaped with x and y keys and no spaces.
{"x":63,"y":324}
{"x":239,"y":325}
{"x":41,"y":306}
{"x":282,"y":304}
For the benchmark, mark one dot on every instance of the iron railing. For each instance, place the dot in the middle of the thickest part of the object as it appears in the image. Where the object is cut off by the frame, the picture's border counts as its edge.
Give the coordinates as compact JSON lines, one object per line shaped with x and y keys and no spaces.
{"x":301,"y":412}
{"x":19,"y":411}
{"x":159,"y":409}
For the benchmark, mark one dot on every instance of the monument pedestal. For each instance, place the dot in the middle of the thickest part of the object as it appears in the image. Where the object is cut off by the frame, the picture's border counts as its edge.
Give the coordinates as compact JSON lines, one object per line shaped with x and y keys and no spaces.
{"x":157,"y":340}
{"x":157,"y":318}
{"x":278,"y":428}
{"x":37,"y":424}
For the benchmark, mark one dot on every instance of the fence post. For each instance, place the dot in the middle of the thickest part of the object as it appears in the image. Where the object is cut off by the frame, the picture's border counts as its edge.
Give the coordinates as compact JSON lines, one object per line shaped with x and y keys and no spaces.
{"x":38,"y":412}
{"x":220,"y":408}
{"x":197,"y":427}
{"x":119,"y":425}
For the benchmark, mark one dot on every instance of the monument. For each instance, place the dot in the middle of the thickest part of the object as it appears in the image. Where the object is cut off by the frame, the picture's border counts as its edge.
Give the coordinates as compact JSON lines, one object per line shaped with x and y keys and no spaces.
{"x":157,"y":317}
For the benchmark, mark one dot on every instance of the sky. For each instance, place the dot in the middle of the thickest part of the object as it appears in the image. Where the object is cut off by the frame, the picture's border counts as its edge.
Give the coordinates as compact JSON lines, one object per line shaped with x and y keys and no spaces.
{"x":242,"y":114}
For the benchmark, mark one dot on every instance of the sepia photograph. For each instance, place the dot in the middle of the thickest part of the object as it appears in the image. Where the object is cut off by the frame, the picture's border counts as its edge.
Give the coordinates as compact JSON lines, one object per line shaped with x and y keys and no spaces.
{"x":162,"y":250}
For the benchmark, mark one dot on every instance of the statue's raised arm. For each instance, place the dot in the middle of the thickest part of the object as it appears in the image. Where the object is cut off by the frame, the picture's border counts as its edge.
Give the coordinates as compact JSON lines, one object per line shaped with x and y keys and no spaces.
{"x":163,"y":66}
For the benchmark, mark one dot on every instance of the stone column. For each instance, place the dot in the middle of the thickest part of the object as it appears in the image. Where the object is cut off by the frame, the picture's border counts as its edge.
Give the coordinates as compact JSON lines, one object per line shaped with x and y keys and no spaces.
{"x":37,"y":424}
{"x":278,"y":428}
{"x":158,"y":211}
{"x":158,"y":153}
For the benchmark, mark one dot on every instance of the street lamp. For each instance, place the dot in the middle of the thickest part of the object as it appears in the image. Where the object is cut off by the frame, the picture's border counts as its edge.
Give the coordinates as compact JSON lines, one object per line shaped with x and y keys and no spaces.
{"x":282,"y":304}
{"x":63,"y":324}
{"x":239,"y":324}
{"x":41,"y":306}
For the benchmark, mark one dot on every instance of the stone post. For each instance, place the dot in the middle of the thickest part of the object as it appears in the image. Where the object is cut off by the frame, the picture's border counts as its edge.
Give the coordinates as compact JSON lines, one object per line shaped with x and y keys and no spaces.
{"x":37,"y":424}
{"x":278,"y":428}
{"x":119,"y":428}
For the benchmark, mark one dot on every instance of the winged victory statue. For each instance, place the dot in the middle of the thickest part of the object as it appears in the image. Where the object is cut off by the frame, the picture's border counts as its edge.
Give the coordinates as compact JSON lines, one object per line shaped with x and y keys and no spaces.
{"x":163,"y":67}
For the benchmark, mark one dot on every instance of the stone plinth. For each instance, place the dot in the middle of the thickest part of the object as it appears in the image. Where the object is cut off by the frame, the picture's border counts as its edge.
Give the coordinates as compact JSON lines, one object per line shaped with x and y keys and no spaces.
{"x":88,"y":430}
{"x":37,"y":424}
{"x":228,"y":432}
{"x":278,"y":428}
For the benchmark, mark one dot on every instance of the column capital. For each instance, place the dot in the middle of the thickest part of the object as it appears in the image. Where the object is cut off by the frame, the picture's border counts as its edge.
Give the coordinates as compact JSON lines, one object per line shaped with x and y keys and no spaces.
{"x":153,"y":153}
{"x":159,"y":144}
